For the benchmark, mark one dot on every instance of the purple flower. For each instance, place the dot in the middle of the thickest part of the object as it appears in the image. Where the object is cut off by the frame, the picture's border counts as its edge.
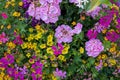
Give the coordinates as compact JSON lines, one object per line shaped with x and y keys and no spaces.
{"x":105,"y":20}
{"x":3,"y":38}
{"x":94,"y":12}
{"x":64,"y":33}
{"x":59,"y":73}
{"x":77,"y":29}
{"x":18,"y":40}
{"x":99,"y":66}
{"x":94,"y":47}
{"x":98,"y":27}
{"x":112,"y":36}
{"x":37,"y":67}
{"x":92,"y":34}
{"x":58,"y":50}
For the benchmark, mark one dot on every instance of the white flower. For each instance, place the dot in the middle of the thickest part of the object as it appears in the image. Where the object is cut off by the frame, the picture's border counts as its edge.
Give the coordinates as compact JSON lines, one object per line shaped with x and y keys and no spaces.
{"x":81,"y":3}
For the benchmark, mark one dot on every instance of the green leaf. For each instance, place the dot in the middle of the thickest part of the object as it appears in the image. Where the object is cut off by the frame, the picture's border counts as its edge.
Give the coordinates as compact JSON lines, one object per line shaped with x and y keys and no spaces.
{"x":106,"y":45}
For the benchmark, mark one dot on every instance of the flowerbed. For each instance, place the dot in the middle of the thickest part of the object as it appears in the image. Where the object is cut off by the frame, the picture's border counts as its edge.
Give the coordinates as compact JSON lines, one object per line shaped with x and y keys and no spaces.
{"x":59,"y":40}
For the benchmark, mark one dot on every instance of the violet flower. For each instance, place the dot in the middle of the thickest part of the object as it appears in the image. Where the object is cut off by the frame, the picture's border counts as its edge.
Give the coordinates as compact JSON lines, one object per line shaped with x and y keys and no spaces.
{"x":57,"y":50}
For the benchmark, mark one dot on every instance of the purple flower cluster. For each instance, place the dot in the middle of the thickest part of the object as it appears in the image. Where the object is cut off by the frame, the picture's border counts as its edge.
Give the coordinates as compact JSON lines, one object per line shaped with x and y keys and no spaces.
{"x":64,"y":33}
{"x":98,"y":27}
{"x":3,"y":38}
{"x":94,"y":47}
{"x":94,"y":12}
{"x":18,"y":40}
{"x":57,"y":50}
{"x":48,"y":11}
{"x":37,"y":73}
{"x":112,"y":36}
{"x":59,"y":73}
{"x":5,"y":61}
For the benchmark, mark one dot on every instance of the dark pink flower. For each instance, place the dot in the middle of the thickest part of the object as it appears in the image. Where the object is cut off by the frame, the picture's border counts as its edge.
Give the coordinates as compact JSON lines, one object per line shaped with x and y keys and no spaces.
{"x":112,"y":36}
{"x":57,"y":50}
{"x":4,"y":15}
{"x":3,"y":38}
{"x":92,"y":34}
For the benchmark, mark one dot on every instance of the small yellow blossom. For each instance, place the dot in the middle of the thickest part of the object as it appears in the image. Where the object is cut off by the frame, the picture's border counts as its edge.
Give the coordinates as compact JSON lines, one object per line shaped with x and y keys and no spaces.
{"x":81,"y":50}
{"x":103,"y":56}
{"x":61,"y":57}
{"x":49,"y":50}
{"x":105,"y":64}
{"x":20,"y":3}
{"x":28,"y":55}
{"x":30,"y":30}
{"x":73,"y":23}
{"x":11,"y":45}
{"x":42,"y":46}
{"x":31,"y":61}
{"x":16,"y":14}
{"x":104,"y":31}
{"x":112,"y":62}
{"x":9,"y":26}
{"x":52,"y":57}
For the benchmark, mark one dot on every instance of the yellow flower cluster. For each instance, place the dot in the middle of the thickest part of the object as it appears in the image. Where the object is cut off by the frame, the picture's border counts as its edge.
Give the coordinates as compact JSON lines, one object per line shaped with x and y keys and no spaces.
{"x":10,"y":2}
{"x":16,"y":14}
{"x":66,"y":48}
{"x":50,"y":40}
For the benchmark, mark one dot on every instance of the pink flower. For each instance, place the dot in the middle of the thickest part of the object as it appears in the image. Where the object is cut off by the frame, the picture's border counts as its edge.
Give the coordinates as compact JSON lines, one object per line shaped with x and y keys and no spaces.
{"x":4,"y":15}
{"x":3,"y":38}
{"x":64,"y":33}
{"x":99,"y":66}
{"x":94,"y":47}
{"x":78,"y":28}
{"x":92,"y":34}
{"x":57,"y":50}
{"x":59,"y":73}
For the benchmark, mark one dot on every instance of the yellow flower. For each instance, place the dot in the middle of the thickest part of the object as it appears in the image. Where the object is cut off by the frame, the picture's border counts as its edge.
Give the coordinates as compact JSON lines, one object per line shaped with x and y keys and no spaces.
{"x":9,"y":26}
{"x":31,"y":61}
{"x":30,"y":30}
{"x":103,"y":56}
{"x":38,"y":36}
{"x":49,"y":50}
{"x":20,"y":3}
{"x":81,"y":50}
{"x":73,"y":23}
{"x":113,"y":49}
{"x":30,"y":37}
{"x":45,"y":57}
{"x":66,"y":48}
{"x":2,"y":26}
{"x":16,"y":14}
{"x":42,"y":46}
{"x":54,"y":64}
{"x":52,"y":57}
{"x":11,"y":45}
{"x":24,"y":45}
{"x":105,"y":64}
{"x":7,"y":4}
{"x":104,"y":31}
{"x":28,"y":55}
{"x":112,"y":62}
{"x":105,"y":39}
{"x":61,"y":57}
{"x":2,"y":75}
{"x":50,"y":40}
{"x":7,"y":77}
{"x":37,"y":27}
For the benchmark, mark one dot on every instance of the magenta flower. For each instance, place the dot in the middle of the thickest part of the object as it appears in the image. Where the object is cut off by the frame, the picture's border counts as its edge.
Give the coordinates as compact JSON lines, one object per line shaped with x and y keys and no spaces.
{"x":105,"y":20}
{"x":78,"y":28}
{"x":57,"y":50}
{"x":64,"y":33}
{"x":18,"y":40}
{"x":92,"y":34}
{"x":4,"y":15}
{"x":59,"y":73}
{"x":3,"y":38}
{"x":94,"y":47}
{"x":112,"y":36}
